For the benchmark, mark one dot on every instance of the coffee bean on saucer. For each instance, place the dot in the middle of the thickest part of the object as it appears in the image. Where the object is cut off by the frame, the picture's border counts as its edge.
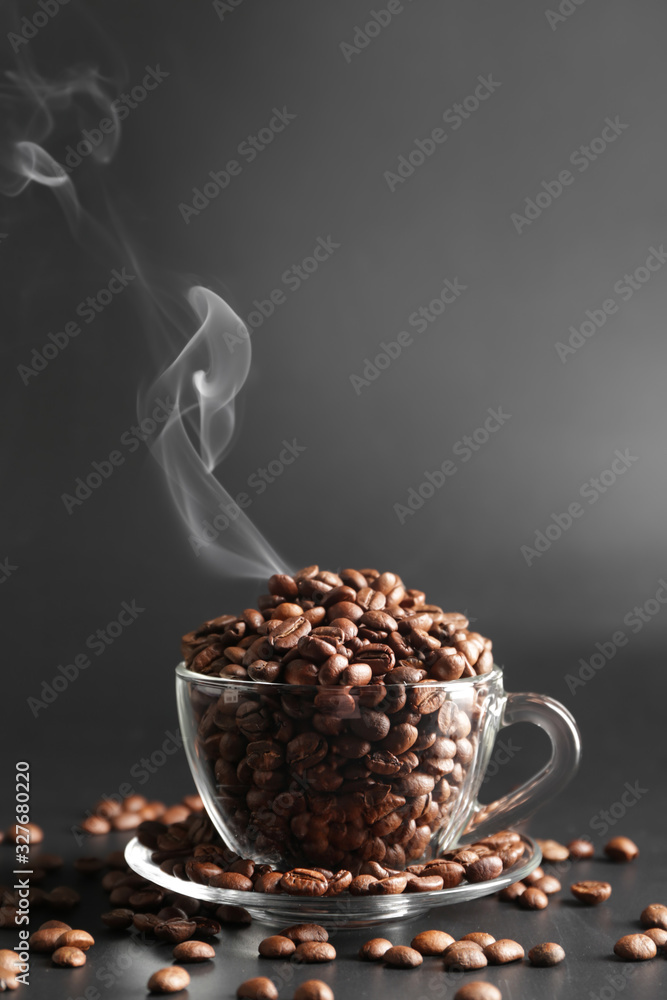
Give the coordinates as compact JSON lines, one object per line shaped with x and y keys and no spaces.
{"x":373,"y":950}
{"x":635,"y":948}
{"x":431,"y":942}
{"x":402,"y":957}
{"x":591,"y":893}
{"x":621,"y":849}
{"x":546,"y":954}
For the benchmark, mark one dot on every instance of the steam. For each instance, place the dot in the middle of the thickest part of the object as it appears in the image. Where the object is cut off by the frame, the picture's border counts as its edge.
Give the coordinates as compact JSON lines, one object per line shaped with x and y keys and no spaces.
{"x":200,"y":385}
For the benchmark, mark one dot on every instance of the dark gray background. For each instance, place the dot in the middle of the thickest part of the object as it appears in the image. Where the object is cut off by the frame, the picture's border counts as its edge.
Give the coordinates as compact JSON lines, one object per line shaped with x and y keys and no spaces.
{"x":495,"y":347}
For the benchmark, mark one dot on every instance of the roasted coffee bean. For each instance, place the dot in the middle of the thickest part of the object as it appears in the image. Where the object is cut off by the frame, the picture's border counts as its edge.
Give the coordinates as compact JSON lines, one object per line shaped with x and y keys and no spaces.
{"x":193,"y":951}
{"x":201,"y":871}
{"x":288,"y":633}
{"x":258,"y":988}
{"x":635,"y":948}
{"x":339,"y":883}
{"x":479,"y":937}
{"x":431,"y":942}
{"x":299,"y":933}
{"x":533,"y":899}
{"x":276,"y":946}
{"x":233,"y":915}
{"x":10,"y":961}
{"x":478,"y":990}
{"x":591,"y":893}
{"x":621,"y":849}
{"x":206,"y":927}
{"x":283,"y":585}
{"x":425,"y":883}
{"x":552,"y":850}
{"x":502,"y":951}
{"x":306,"y":750}
{"x":63,"y":898}
{"x":373,"y":950}
{"x":146,"y":922}
{"x":361,"y":884}
{"x":68,"y":956}
{"x":401,"y":957}
{"x":44,"y":940}
{"x":304,"y":882}
{"x":390,"y":886}
{"x":658,"y":936}
{"x":269,"y":883}
{"x":580,"y":848}
{"x":175,"y":931}
{"x":169,"y":980}
{"x":465,"y":955}
{"x":654,"y":915}
{"x":534,"y":876}
{"x":484,"y":869}
{"x":75,"y":939}
{"x":451,"y":873}
{"x":371,"y":725}
{"x":118,"y":919}
{"x":400,"y":738}
{"x":314,"y":951}
{"x":548,"y":884}
{"x":313,"y":989}
{"x":231,"y":880}
{"x":546,"y":954}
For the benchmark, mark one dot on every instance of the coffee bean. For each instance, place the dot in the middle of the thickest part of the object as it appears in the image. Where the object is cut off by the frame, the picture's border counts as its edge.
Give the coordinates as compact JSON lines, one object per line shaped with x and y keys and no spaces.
{"x":193,"y":951}
{"x":534,"y":876}
{"x":304,"y":882}
{"x":658,"y":936}
{"x":146,"y":922}
{"x":258,"y":988}
{"x":512,"y":892}
{"x":486,"y":868}
{"x":169,"y":980}
{"x":478,"y":990}
{"x":654,"y":915}
{"x":10,"y":961}
{"x":546,"y":954}
{"x":298,"y":933}
{"x":393,"y":885}
{"x":44,"y":940}
{"x":313,"y":989}
{"x":621,"y":849}
{"x":63,"y":898}
{"x":206,"y":927}
{"x":552,"y":850}
{"x":231,"y":880}
{"x":373,"y":950}
{"x":533,"y":899}
{"x":502,"y":951}
{"x":479,"y":937}
{"x":276,"y":946}
{"x":401,"y":957}
{"x":635,"y":948}
{"x":34,"y":835}
{"x":69,"y":957}
{"x":314,"y":951}
{"x":234,"y":915}
{"x":426,"y":883}
{"x":75,"y":939}
{"x":174,"y":931}
{"x":591,"y":893}
{"x":580,"y":848}
{"x":548,"y":884}
{"x":431,"y":942}
{"x":450,"y":872}
{"x":465,"y":955}
{"x":361,"y":884}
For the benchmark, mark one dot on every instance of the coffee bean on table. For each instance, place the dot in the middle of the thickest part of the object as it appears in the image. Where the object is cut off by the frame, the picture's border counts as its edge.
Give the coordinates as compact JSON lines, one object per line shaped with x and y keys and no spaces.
{"x":478,"y":990}
{"x":580,"y":849}
{"x":635,"y":948}
{"x":258,"y":988}
{"x":502,"y":951}
{"x":534,"y":876}
{"x":465,"y":955}
{"x":68,"y":956}
{"x":10,"y":960}
{"x":546,"y":954}
{"x":44,"y":940}
{"x":53,"y":924}
{"x":63,"y":898}
{"x":8,"y":979}
{"x":234,"y":915}
{"x":193,"y":951}
{"x":313,"y":989}
{"x":591,"y":893}
{"x":305,"y":932}
{"x":373,"y":950}
{"x":314,"y":951}
{"x":658,"y":935}
{"x":401,"y":957}
{"x":175,"y":931}
{"x":621,"y":849}
{"x":276,"y":946}
{"x":169,"y":980}
{"x":479,"y":937}
{"x":118,"y":919}
{"x":75,"y":939}
{"x":512,"y":892}
{"x":533,"y":899}
{"x":431,"y":942}
{"x":654,"y":915}
{"x":552,"y":850}
{"x":548,"y":884}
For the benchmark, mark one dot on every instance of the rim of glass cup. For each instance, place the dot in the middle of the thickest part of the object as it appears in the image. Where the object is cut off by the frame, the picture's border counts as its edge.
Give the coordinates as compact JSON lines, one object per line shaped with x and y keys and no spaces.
{"x":462,"y":682}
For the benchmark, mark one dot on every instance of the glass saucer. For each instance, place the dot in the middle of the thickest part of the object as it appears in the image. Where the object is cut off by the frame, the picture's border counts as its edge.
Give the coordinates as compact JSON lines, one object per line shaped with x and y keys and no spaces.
{"x":332,"y":911}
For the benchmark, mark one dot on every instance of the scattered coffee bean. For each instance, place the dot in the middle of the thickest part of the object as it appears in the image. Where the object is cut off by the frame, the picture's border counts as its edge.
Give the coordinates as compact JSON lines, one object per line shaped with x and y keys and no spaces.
{"x":314,"y":951}
{"x":654,"y":915}
{"x":96,"y":825}
{"x":401,"y":957}
{"x":552,"y":850}
{"x":512,"y":892}
{"x":478,"y":990}
{"x":305,"y":932}
{"x":63,"y":898}
{"x":45,"y":940}
{"x":276,"y":946}
{"x":580,"y":849}
{"x":75,"y":939}
{"x":9,"y":960}
{"x":35,"y":833}
{"x":621,"y":849}
{"x":235,"y":915}
{"x":534,"y":876}
{"x":69,"y":957}
{"x":8,"y":979}
{"x":118,"y":919}
{"x":174,"y":931}
{"x":658,"y":935}
{"x":465,"y":955}
{"x":479,"y":937}
{"x":49,"y":924}
{"x":373,"y":950}
{"x":313,"y":989}
{"x":546,"y":954}
{"x":193,"y":951}
{"x":635,"y":948}
{"x":431,"y":942}
{"x":591,"y":893}
{"x":171,"y":979}
{"x":258,"y":988}
{"x":502,"y":951}
{"x":548,"y":884}
{"x":533,"y":899}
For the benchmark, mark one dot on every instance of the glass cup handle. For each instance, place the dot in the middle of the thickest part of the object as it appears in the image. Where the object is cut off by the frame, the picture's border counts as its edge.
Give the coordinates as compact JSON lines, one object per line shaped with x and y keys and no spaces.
{"x":559,"y":725}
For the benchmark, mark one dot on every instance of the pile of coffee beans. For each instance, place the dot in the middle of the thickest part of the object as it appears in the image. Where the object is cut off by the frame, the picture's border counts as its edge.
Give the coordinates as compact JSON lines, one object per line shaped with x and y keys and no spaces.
{"x":193,"y":851}
{"x":356,"y":763}
{"x":126,"y":813}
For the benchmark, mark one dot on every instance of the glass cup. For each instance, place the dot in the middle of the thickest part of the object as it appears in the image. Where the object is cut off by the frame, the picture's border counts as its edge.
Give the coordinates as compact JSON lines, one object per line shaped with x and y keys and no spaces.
{"x":336,"y":776}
